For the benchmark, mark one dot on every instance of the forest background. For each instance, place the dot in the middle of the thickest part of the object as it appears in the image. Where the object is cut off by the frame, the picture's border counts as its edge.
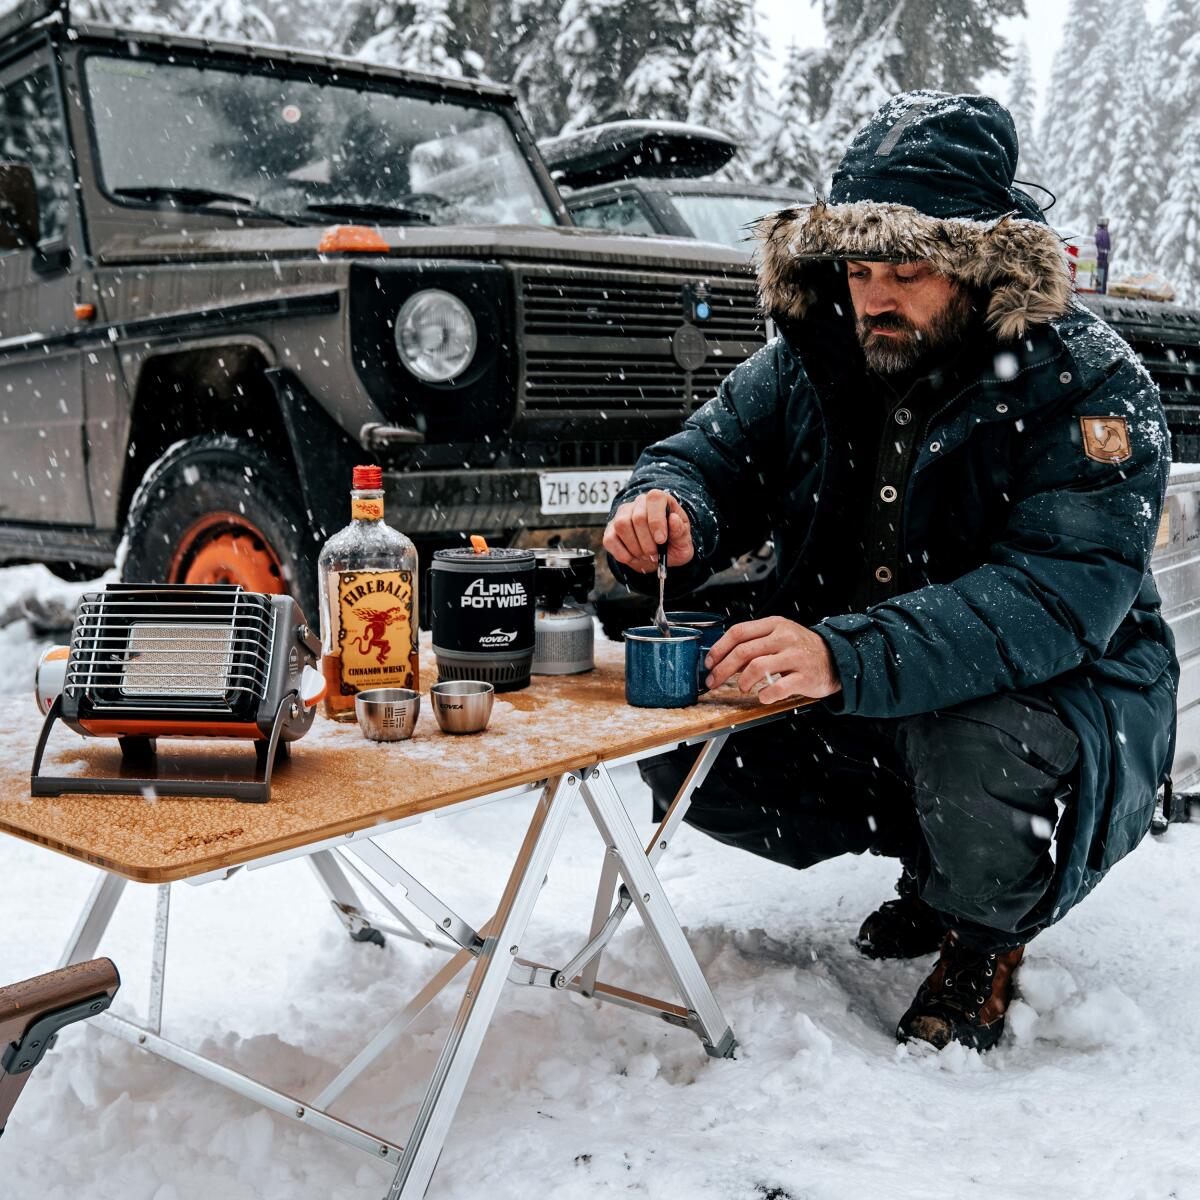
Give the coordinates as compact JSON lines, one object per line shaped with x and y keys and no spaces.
{"x":1116,"y":134}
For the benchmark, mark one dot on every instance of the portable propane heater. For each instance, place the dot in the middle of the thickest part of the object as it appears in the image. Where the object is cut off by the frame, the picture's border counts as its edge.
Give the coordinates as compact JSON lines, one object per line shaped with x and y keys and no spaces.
{"x":180,"y":660}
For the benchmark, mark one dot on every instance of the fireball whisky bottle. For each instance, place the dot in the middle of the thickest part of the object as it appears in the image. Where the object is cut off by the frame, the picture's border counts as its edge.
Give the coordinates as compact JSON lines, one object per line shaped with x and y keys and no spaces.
{"x":367,"y":581}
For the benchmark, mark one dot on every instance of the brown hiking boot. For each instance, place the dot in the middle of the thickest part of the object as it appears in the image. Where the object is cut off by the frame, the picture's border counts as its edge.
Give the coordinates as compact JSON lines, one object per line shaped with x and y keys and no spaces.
{"x":904,"y":928}
{"x":964,"y":999}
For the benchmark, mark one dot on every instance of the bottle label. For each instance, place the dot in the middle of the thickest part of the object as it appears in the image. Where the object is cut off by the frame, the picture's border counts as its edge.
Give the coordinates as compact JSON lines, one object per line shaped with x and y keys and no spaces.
{"x":377,"y":635}
{"x":366,"y":510}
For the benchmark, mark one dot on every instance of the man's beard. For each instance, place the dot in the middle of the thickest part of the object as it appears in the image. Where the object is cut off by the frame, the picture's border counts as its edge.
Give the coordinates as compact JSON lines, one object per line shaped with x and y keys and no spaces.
{"x":908,"y":346}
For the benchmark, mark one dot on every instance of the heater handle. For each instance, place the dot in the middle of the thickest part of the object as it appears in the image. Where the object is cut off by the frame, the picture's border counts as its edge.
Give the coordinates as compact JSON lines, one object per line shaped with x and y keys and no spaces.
{"x":282,"y":713}
{"x":53,"y":715}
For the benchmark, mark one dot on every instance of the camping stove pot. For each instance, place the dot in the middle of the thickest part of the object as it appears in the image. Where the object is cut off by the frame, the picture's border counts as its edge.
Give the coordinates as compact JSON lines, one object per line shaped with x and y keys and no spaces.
{"x":482,"y":615}
{"x":564,"y":632}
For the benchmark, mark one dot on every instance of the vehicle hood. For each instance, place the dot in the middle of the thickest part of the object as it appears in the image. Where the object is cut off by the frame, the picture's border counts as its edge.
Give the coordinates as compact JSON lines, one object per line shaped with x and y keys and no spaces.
{"x":527,"y":242}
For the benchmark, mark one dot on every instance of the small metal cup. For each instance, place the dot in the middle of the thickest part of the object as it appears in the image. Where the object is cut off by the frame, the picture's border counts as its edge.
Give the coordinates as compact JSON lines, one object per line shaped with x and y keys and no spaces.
{"x":387,"y":714}
{"x":462,"y":705}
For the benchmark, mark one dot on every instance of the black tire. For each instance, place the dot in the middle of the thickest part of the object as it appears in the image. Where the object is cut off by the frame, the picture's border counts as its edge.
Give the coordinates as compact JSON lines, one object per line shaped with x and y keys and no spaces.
{"x":205,"y":476}
{"x":74,"y":572}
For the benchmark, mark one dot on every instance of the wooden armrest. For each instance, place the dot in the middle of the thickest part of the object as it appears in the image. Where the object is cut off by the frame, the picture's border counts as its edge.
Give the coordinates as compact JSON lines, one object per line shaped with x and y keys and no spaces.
{"x":33,"y":1011}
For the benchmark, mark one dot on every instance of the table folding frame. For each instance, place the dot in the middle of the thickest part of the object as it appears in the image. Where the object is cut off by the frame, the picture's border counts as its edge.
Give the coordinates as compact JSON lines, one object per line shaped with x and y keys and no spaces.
{"x":353,"y":865}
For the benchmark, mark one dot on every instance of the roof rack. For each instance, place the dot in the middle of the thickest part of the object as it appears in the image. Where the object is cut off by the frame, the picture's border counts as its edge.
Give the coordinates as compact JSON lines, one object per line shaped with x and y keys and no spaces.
{"x":25,"y":13}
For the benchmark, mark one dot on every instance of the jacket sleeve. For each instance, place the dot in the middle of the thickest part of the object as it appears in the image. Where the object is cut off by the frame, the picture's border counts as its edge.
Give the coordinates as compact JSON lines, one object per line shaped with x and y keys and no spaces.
{"x":1057,"y":583}
{"x":718,"y":466}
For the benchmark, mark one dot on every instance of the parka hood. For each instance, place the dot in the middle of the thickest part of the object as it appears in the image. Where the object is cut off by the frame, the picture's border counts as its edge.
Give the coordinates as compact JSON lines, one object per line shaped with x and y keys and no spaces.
{"x":928,"y":178}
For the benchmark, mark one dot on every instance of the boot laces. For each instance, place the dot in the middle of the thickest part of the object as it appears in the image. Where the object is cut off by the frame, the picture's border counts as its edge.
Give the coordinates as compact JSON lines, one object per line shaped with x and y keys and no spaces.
{"x":966,"y":984}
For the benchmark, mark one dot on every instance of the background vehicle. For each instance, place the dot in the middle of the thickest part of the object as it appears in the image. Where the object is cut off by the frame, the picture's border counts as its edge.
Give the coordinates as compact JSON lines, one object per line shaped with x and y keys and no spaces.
{"x":652,"y":177}
{"x":229,"y":273}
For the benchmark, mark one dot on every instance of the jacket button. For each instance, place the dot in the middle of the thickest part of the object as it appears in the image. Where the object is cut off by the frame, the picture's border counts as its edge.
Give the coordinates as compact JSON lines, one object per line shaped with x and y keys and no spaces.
{"x":935,"y":446}
{"x":883,"y":574}
{"x":887,"y":493}
{"x":1002,"y":408}
{"x":903,"y":416}
{"x":1065,"y":377}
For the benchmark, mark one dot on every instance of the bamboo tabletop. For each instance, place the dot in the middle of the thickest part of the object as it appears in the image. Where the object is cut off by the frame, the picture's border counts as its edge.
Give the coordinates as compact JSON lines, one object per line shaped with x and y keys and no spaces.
{"x":335,"y":781}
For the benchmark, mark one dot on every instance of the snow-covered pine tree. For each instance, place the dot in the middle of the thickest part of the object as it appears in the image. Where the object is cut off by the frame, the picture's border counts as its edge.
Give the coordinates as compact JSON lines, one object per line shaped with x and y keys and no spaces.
{"x":1177,"y":223}
{"x":1132,"y":195}
{"x":1081,"y":118}
{"x":867,"y":80}
{"x":716,"y":49}
{"x":133,"y":14}
{"x":657,"y":53}
{"x":1022,"y":103}
{"x":527,"y":61}
{"x":419,"y":35}
{"x":751,"y":113}
{"x":788,"y":156}
{"x":589,"y":51}
{"x":944,"y":44}
{"x":1178,"y":22}
{"x":238,"y":19}
{"x":949,"y":44}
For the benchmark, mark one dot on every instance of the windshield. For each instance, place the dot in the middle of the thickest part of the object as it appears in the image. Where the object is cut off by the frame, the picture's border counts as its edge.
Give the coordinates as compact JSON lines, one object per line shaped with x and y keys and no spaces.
{"x":723,"y":218}
{"x":292,"y":146}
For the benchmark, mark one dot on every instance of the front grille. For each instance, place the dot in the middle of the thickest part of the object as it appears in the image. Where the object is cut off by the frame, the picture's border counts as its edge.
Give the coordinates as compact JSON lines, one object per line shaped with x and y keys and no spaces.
{"x":601,"y":342}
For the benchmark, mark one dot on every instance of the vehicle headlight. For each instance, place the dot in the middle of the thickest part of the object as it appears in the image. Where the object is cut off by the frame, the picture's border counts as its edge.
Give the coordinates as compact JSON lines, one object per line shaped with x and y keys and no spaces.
{"x":435,"y":335}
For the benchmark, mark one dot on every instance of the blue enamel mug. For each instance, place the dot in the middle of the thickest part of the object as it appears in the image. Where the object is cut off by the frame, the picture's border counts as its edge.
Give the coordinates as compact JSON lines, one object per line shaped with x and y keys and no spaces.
{"x":661,"y":672}
{"x":712,"y":629}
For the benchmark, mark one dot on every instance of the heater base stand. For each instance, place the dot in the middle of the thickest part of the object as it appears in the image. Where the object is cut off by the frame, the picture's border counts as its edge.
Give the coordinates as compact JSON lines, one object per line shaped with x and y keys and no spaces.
{"x":267,"y":752}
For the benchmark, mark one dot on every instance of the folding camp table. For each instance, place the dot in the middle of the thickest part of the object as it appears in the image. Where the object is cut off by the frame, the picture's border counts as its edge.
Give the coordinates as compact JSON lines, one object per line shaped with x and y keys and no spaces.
{"x":333,"y":799}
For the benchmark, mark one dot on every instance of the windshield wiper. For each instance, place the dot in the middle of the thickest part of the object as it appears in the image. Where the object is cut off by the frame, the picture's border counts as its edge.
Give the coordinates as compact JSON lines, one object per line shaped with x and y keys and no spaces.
{"x":199,"y":197}
{"x":367,"y":208}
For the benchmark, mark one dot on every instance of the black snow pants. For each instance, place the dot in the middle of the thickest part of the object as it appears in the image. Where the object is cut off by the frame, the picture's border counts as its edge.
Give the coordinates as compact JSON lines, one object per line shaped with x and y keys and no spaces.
{"x":968,"y":798}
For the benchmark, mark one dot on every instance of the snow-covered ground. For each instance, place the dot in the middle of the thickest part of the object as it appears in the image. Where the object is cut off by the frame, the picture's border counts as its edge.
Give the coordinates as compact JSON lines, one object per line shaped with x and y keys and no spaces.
{"x":1095,"y":1091}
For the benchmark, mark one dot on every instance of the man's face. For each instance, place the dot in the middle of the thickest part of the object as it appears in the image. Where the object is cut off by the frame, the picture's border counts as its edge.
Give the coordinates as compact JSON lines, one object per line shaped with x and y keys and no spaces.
{"x":903,"y":311}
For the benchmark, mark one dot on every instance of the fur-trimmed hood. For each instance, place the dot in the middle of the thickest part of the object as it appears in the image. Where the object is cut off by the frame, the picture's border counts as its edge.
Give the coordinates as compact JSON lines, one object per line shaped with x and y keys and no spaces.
{"x":928,"y":178}
{"x":1021,"y":262}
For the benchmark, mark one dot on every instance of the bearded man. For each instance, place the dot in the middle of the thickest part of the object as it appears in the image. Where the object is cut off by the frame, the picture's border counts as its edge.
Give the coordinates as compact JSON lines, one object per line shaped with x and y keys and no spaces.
{"x":962,"y":470}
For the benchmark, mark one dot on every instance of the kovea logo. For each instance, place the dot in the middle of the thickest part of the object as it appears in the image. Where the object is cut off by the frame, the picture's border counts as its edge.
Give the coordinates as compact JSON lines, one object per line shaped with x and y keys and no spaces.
{"x":482,"y":594}
{"x":498,"y":637}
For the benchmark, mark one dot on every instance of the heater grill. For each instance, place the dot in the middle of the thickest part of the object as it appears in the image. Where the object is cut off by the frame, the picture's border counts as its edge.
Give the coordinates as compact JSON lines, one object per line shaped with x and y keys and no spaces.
{"x":155,"y":660}
{"x":208,"y":650}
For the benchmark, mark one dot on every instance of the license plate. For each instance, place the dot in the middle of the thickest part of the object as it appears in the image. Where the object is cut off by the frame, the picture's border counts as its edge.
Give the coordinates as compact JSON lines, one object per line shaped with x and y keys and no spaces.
{"x":580,"y":491}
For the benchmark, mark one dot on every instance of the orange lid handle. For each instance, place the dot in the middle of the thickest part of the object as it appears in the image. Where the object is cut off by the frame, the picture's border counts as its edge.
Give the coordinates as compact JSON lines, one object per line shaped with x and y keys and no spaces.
{"x":479,"y":544}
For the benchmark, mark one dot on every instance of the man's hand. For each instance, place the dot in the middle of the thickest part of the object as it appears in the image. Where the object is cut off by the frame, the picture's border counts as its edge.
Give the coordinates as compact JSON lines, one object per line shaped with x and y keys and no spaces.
{"x":641,"y":526}
{"x":788,"y":658}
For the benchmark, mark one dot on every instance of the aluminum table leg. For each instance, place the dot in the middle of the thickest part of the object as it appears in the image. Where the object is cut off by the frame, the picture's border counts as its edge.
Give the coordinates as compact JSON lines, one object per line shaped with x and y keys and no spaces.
{"x":604,"y":803}
{"x":158,"y":963}
{"x":424,"y":1145}
{"x":93,"y":920}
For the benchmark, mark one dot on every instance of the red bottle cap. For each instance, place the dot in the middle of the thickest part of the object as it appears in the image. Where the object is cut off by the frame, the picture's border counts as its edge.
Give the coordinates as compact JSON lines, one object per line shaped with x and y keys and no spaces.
{"x":367,"y":479}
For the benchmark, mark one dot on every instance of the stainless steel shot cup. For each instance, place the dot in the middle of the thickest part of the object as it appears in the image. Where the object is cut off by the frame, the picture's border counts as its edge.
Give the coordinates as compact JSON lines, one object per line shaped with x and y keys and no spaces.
{"x":462,"y":705}
{"x":387,"y":714}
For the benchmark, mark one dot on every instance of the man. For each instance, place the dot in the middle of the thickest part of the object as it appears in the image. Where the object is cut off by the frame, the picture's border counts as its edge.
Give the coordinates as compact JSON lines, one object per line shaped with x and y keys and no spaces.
{"x":963,"y":471}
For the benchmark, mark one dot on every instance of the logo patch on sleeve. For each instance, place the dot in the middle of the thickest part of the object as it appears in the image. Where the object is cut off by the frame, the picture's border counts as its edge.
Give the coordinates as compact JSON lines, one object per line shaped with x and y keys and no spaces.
{"x":1106,"y":439}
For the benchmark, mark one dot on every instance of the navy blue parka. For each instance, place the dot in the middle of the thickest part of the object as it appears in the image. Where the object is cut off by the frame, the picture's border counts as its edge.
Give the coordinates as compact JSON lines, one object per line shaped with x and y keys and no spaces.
{"x":1034,"y":475}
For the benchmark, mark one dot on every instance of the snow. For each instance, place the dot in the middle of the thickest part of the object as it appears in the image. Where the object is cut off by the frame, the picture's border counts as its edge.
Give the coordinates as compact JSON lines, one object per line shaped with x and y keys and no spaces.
{"x":1092,"y":1091}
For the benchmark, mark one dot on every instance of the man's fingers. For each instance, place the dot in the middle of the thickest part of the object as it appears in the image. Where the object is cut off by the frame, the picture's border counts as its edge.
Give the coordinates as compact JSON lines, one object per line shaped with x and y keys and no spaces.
{"x":619,"y":535}
{"x":647,"y":546}
{"x":650,"y":520}
{"x":768,"y":668}
{"x":784,"y":688}
{"x":745,"y":631}
{"x":657,"y":508}
{"x":621,"y":542}
{"x":739,"y":657}
{"x":679,"y":540}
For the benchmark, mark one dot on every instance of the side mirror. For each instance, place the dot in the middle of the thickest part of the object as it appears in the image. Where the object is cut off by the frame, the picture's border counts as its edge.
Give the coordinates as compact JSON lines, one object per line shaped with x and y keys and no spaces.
{"x":18,"y":206}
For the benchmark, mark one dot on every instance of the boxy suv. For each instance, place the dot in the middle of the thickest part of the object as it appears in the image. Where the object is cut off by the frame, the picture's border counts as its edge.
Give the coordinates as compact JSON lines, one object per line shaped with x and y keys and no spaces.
{"x":229,"y":273}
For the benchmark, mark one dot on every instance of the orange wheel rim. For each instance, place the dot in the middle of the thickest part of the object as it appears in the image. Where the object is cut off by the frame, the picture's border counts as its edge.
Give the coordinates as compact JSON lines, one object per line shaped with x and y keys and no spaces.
{"x":224,"y":547}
